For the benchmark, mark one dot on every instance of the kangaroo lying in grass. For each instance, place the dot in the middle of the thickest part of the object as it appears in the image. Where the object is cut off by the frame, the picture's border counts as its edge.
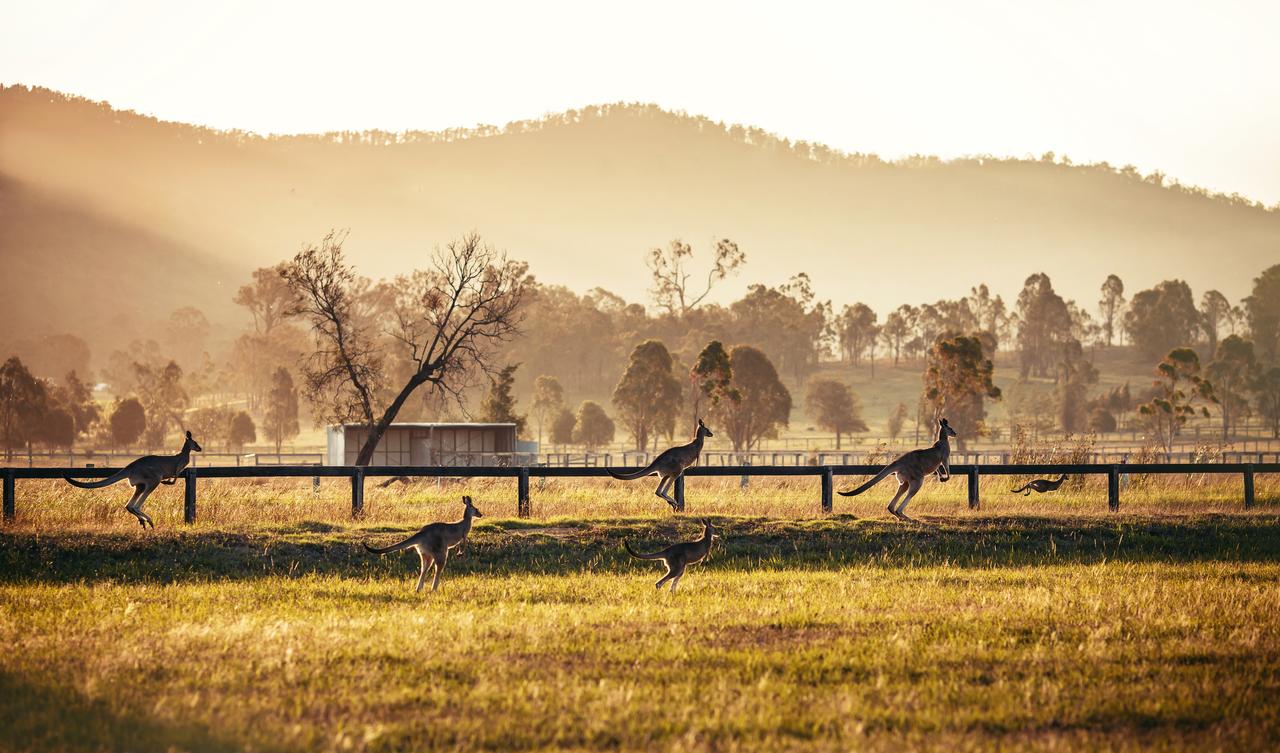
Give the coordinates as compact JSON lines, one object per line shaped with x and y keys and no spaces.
{"x":146,"y":474}
{"x":679,"y":556}
{"x":912,"y":468}
{"x":433,"y":543}
{"x":670,"y":464}
{"x":1040,"y":485}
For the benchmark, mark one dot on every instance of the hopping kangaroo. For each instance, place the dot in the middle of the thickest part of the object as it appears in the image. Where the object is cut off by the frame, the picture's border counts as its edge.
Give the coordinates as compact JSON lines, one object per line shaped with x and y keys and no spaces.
{"x":679,"y":556}
{"x":1040,"y":485}
{"x":670,"y":464}
{"x":912,"y":468}
{"x":145,"y":474}
{"x":433,"y":543}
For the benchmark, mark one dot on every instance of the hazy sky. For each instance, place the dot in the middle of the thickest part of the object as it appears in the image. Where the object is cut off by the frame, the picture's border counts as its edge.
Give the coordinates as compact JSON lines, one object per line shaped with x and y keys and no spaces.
{"x":1188,"y":88}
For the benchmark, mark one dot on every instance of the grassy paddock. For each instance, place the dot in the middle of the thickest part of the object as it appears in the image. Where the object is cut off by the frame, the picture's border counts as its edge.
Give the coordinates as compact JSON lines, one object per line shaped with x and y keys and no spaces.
{"x":1023,"y":632}
{"x":235,"y":503}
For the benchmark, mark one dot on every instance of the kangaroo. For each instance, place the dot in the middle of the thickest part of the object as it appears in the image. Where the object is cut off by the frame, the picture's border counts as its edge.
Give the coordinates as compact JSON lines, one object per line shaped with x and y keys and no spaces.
{"x":146,"y":474}
{"x":1040,"y":485}
{"x":912,"y":468}
{"x":670,"y":465}
{"x":433,"y":543}
{"x":679,"y":556}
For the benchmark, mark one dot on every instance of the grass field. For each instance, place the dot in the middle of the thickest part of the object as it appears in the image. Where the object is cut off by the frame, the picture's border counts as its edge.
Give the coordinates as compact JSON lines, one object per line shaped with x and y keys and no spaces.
{"x":1023,"y":626}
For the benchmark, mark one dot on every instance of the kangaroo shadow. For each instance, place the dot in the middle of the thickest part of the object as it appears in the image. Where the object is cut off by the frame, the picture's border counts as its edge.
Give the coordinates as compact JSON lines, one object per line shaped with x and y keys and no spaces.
{"x":43,"y":717}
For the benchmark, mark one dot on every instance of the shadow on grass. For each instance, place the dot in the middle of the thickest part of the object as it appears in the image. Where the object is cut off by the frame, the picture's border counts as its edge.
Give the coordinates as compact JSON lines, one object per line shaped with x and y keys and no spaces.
{"x":40,"y":717}
{"x":565,"y":546}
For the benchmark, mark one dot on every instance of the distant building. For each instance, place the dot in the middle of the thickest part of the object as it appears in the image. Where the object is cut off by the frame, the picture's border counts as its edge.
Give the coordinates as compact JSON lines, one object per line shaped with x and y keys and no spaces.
{"x":432,"y":444}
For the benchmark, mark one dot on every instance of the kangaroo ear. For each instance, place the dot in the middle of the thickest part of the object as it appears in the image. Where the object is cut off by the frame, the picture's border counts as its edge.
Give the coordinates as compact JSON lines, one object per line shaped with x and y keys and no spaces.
{"x":188,"y":435}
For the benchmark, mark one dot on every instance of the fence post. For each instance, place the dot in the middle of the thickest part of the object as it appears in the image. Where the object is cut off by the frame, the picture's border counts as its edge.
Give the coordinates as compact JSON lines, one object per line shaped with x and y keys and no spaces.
{"x":973,"y":487}
{"x":1248,"y":486}
{"x":522,"y":493}
{"x":10,"y":494}
{"x":1113,"y":488}
{"x":189,"y":496}
{"x":357,"y":492}
{"x":679,"y":493}
{"x":828,"y":483}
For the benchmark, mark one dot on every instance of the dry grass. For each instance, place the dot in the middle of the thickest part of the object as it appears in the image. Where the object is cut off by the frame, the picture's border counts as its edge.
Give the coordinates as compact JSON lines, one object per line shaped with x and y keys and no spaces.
{"x":238,"y":503}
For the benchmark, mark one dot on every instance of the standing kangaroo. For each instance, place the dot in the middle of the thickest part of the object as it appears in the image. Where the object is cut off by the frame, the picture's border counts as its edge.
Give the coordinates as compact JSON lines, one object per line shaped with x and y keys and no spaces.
{"x":146,"y":474}
{"x":434,"y":542}
{"x":679,"y":556}
{"x":1040,"y":485}
{"x":911,"y":469}
{"x":670,"y":465}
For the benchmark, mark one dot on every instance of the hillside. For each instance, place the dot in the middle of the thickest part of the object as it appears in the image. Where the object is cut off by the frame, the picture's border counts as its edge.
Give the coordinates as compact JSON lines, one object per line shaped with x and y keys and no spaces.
{"x":581,"y":196}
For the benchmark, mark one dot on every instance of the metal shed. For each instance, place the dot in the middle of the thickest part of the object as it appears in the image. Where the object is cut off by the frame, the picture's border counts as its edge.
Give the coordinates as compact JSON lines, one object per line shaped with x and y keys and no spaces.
{"x":428,"y":444}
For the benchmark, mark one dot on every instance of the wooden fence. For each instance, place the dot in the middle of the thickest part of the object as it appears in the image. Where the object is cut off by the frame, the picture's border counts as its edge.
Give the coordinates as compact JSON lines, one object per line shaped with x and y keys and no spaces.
{"x":522,"y":474}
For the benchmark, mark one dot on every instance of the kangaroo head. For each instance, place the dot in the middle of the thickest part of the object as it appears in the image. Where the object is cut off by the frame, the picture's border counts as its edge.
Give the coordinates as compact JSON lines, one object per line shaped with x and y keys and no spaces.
{"x":944,"y":429}
{"x":709,"y":529}
{"x":703,"y":431}
{"x":194,"y":444}
{"x":466,"y":501}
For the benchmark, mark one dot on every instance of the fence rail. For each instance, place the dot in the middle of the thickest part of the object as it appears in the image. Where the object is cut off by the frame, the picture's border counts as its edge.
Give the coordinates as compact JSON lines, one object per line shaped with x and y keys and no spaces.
{"x":522,"y":474}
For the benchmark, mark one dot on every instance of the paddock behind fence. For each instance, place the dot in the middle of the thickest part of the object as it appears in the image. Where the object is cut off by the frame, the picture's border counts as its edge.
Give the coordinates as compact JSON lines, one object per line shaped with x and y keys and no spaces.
{"x":826,"y":474}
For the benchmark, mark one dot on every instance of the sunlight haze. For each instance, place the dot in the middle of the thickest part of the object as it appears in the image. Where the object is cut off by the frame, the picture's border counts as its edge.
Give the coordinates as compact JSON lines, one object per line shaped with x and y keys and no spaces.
{"x":1185,"y":88}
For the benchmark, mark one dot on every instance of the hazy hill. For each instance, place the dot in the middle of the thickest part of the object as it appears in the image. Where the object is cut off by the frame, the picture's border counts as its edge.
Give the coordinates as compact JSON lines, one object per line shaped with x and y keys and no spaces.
{"x":580,"y":196}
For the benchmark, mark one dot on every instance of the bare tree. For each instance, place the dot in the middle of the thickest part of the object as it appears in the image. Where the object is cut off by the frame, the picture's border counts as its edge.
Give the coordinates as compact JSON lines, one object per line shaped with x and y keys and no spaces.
{"x":444,"y":323}
{"x":671,"y":279}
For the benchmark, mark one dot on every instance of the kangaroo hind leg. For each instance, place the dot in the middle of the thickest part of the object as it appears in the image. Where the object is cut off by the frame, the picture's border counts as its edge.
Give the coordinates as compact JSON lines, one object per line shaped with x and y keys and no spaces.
{"x":663,"y":487}
{"x":912,"y":487}
{"x":440,"y":557}
{"x":137,"y":492}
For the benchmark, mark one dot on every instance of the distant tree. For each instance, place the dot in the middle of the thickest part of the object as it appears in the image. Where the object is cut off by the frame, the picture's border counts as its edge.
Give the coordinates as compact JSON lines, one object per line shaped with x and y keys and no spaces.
{"x":1101,"y":420}
{"x":499,"y":405}
{"x":78,"y":399}
{"x":1263,"y":308}
{"x":784,"y":322}
{"x":593,"y":427}
{"x":712,"y":376}
{"x":671,"y":290}
{"x":897,"y":330}
{"x":242,"y":431}
{"x":896,"y":419}
{"x":562,"y":427}
{"x":56,"y":428}
{"x":1075,"y":375}
{"x":957,"y":382}
{"x":648,"y":395}
{"x":23,"y":400}
{"x":765,"y":403}
{"x":1162,"y":318}
{"x":267,"y":298}
{"x":1266,"y":396}
{"x":1215,"y":310}
{"x":281,"y":419}
{"x":989,"y":313}
{"x":1110,"y":306}
{"x":210,"y":425}
{"x":128,"y":422}
{"x":834,"y":407}
{"x":164,"y":398}
{"x":548,"y":401}
{"x":1232,"y":371}
{"x":856,"y":329}
{"x":1179,"y":388}
{"x":1044,"y":323}
{"x":447,"y":321}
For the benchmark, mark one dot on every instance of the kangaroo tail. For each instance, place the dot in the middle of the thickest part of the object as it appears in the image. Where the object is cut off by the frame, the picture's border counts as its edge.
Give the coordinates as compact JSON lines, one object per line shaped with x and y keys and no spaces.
{"x":890,"y":468}
{"x":108,"y":481}
{"x":638,"y":555}
{"x":1022,"y":488}
{"x":393,"y":548}
{"x":645,"y":471}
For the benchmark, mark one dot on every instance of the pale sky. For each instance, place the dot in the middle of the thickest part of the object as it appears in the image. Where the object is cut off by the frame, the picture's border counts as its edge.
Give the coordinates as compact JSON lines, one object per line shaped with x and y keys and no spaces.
{"x":1191,"y":89}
